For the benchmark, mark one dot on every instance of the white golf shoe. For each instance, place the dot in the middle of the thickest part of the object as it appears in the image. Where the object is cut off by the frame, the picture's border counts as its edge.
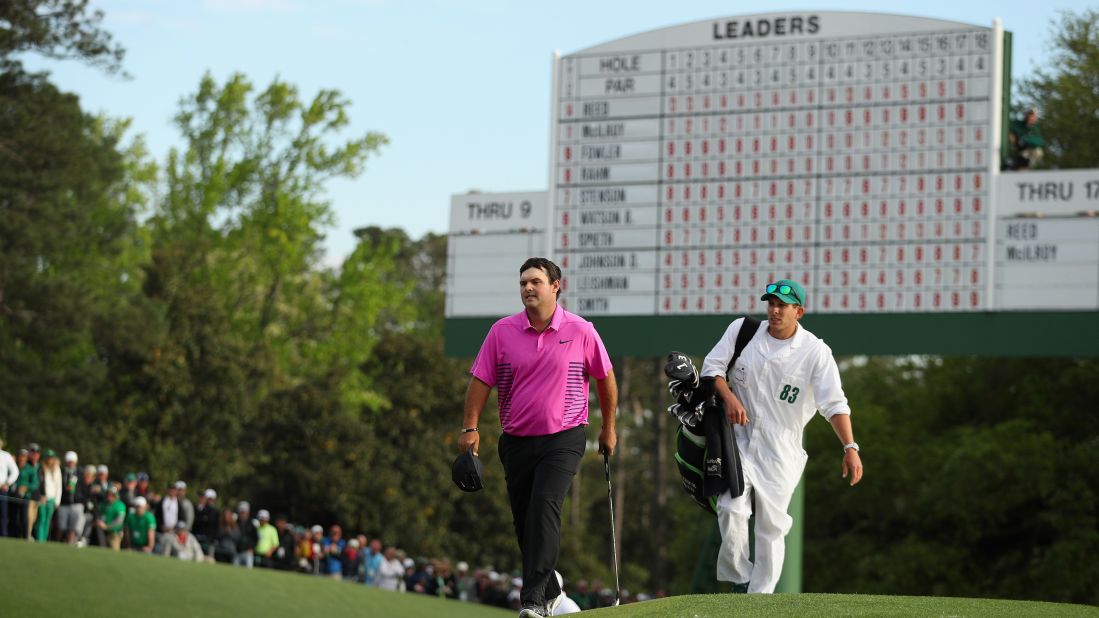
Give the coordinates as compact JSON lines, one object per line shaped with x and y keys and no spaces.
{"x":556,"y":601}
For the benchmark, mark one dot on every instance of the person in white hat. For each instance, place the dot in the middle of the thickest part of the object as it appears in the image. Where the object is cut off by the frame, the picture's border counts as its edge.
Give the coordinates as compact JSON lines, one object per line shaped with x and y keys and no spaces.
{"x":140,"y":527}
{"x":246,"y":543}
{"x":267,"y":539}
{"x":186,"y":507}
{"x":311,"y":549}
{"x":205,"y":527}
{"x":70,"y":513}
{"x":467,"y":584}
{"x":99,"y":487}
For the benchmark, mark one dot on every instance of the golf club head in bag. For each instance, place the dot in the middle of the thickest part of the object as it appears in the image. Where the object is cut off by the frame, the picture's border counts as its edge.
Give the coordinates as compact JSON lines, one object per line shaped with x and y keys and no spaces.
{"x":688,"y":408}
{"x":683,"y":386}
{"x":690,"y":405}
{"x":681,"y":372}
{"x":466,"y":472}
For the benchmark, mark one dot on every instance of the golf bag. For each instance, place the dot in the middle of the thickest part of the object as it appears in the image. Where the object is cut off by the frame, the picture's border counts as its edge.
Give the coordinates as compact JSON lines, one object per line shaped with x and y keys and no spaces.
{"x":706,"y":452}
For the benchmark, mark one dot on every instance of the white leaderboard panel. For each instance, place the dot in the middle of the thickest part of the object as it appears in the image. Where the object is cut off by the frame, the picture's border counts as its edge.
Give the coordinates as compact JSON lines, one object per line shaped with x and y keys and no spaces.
{"x":491,"y":234}
{"x":849,"y":151}
{"x":1047,"y":263}
{"x":478,"y":213}
{"x":482,"y":275}
{"x":1057,"y":193}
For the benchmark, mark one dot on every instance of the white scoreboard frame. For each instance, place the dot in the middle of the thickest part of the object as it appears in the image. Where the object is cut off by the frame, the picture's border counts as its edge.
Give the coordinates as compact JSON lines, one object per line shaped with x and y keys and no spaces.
{"x":621,"y":269}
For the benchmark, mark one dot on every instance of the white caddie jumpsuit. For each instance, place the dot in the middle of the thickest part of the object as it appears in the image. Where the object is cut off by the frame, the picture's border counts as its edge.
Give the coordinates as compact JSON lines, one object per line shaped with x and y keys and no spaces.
{"x":780,"y":383}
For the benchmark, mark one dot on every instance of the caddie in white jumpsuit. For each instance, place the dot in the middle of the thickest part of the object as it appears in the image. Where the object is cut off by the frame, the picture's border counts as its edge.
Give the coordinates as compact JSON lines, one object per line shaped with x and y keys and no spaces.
{"x":782,"y":376}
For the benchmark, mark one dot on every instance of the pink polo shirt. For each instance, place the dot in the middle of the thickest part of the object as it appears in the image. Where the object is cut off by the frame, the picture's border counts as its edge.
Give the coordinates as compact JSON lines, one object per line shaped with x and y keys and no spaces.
{"x":541,"y":379}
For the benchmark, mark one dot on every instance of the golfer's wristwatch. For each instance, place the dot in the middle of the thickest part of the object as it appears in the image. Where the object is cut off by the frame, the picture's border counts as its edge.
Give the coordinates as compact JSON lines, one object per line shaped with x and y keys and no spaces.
{"x":854,"y":445}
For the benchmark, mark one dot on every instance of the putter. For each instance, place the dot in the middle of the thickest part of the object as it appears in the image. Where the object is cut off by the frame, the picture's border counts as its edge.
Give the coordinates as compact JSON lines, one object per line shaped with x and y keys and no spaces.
{"x":614,"y":544}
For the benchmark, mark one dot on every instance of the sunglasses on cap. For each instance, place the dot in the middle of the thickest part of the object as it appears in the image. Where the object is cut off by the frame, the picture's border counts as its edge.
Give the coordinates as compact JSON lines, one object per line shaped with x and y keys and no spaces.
{"x":783,"y":289}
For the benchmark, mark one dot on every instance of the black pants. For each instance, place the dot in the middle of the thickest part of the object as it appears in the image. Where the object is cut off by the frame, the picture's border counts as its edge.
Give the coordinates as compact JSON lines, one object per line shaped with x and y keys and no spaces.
{"x":17,"y":517}
{"x":4,"y":514}
{"x":539,"y":471}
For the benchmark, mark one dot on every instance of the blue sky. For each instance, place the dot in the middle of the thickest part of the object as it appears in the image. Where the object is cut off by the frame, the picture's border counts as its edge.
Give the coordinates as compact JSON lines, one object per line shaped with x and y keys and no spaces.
{"x":461,"y":87}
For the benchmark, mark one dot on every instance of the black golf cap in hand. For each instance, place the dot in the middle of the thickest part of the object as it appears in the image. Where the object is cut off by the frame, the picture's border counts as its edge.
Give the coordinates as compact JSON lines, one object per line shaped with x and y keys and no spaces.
{"x":466,"y":471}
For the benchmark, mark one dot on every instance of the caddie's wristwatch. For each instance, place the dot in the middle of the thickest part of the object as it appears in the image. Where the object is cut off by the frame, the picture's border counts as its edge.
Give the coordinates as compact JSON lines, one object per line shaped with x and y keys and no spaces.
{"x":473,"y":429}
{"x":854,"y":445}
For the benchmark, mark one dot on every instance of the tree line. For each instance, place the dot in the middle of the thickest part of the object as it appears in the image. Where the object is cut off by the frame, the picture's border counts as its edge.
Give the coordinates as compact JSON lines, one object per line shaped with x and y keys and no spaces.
{"x":174,"y":315}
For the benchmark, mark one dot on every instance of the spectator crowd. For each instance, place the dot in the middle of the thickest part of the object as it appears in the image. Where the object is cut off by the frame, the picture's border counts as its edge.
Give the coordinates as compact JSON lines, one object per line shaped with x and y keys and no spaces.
{"x":46,"y":497}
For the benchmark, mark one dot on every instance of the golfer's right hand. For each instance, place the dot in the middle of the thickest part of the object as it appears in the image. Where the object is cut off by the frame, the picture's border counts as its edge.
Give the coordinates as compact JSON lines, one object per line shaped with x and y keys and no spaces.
{"x":734,"y":411}
{"x":468,"y":439}
{"x":607,"y":441}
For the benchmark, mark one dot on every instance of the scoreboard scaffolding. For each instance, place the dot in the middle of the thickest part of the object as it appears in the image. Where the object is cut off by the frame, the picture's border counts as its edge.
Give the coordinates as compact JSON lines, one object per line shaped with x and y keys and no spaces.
{"x":857,"y":153}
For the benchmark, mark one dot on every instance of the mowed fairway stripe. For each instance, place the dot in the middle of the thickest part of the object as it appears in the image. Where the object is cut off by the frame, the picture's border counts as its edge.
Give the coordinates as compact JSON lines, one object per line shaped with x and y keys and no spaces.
{"x":52,"y":580}
{"x":833,"y":605}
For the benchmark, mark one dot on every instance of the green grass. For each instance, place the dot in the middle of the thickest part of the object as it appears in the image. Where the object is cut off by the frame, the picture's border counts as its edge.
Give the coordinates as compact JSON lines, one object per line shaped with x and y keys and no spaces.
{"x":714,"y":605}
{"x":52,"y":580}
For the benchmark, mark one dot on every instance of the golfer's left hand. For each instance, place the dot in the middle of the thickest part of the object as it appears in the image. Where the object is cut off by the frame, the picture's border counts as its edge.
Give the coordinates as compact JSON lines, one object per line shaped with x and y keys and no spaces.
{"x":607,"y":441}
{"x":468,"y":439}
{"x":852,"y":465}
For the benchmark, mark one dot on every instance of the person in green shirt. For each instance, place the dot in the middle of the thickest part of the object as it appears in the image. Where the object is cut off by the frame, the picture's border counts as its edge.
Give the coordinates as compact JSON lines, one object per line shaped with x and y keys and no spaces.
{"x":140,"y":527}
{"x":49,"y":496}
{"x":268,"y":541}
{"x":29,"y":488}
{"x":111,"y":519}
{"x":1026,"y":140}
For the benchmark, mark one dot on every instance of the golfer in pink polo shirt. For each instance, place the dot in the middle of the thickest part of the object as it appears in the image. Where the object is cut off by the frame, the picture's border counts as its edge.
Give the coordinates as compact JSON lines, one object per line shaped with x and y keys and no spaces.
{"x":540,"y":360}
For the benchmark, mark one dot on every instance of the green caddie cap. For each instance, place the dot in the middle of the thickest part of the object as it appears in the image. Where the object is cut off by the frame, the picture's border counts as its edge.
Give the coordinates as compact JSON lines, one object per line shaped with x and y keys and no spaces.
{"x":786,"y":290}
